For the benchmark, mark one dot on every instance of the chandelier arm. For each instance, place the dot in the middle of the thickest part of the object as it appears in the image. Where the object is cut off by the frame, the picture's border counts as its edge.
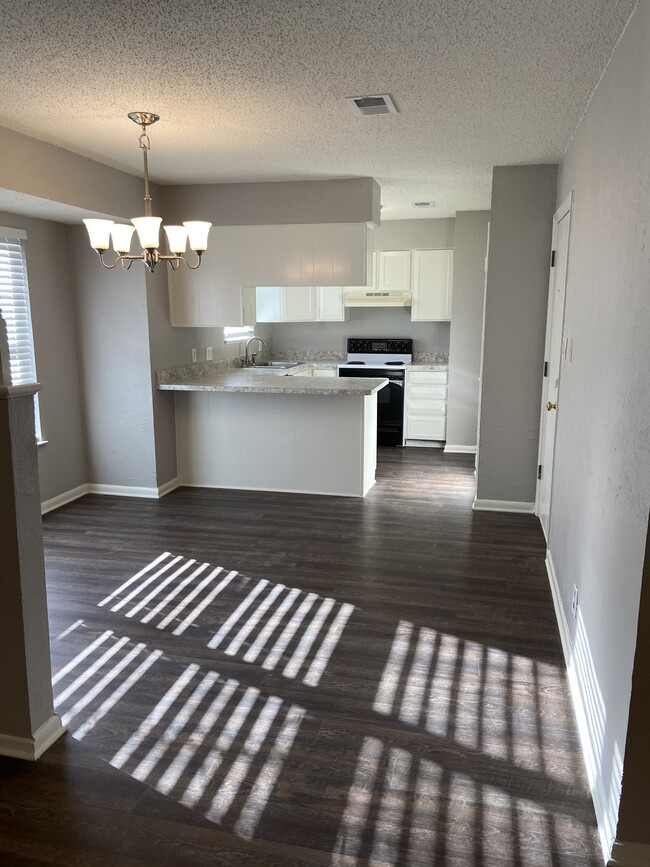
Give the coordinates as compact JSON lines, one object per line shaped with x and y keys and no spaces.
{"x":100,"y":253}
{"x":198,"y":261}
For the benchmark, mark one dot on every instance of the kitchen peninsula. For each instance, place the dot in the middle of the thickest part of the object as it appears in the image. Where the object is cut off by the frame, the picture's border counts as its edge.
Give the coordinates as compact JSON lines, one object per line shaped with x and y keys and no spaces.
{"x":276,"y":430}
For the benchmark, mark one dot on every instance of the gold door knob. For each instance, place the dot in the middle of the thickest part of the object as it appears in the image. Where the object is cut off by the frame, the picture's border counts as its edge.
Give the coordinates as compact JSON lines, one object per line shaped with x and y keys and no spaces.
{"x":550,"y":406}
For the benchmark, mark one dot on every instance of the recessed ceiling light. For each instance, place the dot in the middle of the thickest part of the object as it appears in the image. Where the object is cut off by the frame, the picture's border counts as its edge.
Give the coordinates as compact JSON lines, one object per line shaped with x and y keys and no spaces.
{"x":423,"y":204}
{"x":365,"y":106}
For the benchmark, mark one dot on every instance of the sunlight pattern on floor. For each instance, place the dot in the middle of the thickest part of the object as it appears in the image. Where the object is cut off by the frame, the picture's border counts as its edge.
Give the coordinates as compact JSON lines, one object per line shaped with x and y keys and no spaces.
{"x":211,"y":743}
{"x":74,"y":695}
{"x":238,"y":744}
{"x":267,"y":623}
{"x":488,"y":716}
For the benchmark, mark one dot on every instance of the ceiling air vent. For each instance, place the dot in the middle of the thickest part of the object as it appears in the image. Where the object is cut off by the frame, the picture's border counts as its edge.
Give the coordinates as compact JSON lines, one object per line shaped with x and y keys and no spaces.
{"x":364,"y":106}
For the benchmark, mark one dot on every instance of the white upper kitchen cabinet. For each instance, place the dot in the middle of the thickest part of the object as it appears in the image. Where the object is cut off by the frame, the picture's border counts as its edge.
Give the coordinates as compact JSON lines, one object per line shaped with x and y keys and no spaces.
{"x":432,"y":284}
{"x":298,"y":304}
{"x":394,"y":271}
{"x":313,"y":255}
{"x":330,"y":304}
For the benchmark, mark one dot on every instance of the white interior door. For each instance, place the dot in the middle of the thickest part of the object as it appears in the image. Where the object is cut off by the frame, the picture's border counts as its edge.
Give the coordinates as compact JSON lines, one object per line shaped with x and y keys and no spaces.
{"x":552,"y":360}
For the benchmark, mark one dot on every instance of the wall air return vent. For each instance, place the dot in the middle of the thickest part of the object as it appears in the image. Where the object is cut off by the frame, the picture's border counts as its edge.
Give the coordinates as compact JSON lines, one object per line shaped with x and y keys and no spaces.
{"x":364,"y":106}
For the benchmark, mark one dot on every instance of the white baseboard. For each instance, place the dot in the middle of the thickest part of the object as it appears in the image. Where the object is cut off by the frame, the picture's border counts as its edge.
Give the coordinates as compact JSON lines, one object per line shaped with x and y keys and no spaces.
{"x":124,"y":491}
{"x":275,"y":490}
{"x":108,"y":490}
{"x":425,"y":444}
{"x":169,"y":486}
{"x":460,"y":450}
{"x":503,"y":506}
{"x":31,"y":748}
{"x":585,"y":705}
{"x":629,"y":855}
{"x":62,"y":499}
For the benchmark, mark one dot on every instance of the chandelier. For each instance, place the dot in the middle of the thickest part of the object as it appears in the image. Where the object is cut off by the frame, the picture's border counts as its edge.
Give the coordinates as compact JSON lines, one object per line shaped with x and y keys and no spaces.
{"x":101,"y":232}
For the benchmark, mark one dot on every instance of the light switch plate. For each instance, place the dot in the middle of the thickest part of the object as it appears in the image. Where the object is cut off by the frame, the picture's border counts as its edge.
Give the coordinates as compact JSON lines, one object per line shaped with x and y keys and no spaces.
{"x":208,"y":353}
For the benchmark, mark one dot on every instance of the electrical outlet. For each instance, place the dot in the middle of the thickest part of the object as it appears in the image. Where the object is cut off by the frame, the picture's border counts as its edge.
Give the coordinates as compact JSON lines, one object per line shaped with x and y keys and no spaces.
{"x":208,"y":353}
{"x":194,"y":356}
{"x":574,"y":602}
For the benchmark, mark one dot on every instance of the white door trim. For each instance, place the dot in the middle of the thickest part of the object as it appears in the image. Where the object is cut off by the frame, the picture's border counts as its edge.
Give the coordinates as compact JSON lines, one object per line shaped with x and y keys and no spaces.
{"x":563,"y":210}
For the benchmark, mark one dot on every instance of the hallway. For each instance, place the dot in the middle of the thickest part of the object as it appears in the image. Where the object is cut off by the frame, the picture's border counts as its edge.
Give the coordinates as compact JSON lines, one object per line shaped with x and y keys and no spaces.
{"x":272,"y":679}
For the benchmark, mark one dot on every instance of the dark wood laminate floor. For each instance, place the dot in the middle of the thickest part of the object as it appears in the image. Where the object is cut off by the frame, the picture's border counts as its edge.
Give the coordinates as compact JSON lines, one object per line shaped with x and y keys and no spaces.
{"x":296,"y":680}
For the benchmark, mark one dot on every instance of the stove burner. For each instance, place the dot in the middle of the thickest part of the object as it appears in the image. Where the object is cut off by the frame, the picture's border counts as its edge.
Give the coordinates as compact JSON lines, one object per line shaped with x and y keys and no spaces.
{"x":395,"y":363}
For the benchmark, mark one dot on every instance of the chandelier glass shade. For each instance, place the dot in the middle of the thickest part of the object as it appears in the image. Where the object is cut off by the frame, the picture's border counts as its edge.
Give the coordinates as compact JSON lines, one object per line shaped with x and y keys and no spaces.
{"x":102,"y":232}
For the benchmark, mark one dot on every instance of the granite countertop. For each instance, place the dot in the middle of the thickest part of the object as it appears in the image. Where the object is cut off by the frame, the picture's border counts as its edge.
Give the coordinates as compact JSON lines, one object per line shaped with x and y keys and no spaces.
{"x":276,"y":382}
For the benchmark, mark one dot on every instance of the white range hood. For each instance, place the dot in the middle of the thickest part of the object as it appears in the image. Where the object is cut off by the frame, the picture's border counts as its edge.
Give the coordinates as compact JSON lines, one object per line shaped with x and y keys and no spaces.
{"x":372,"y":298}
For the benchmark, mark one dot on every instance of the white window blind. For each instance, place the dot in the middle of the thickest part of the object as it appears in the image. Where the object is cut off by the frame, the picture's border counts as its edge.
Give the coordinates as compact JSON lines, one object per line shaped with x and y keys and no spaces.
{"x":231,"y":334}
{"x":15,"y":310}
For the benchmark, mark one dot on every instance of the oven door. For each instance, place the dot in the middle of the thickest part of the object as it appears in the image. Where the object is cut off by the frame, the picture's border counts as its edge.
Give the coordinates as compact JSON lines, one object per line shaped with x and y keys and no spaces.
{"x":390,"y":403}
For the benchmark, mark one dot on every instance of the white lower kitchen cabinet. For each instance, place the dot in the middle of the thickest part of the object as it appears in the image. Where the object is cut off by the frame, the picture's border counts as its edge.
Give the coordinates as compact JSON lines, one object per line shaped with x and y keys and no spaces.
{"x":324,"y":371}
{"x":426,"y":405}
{"x":432,"y":285}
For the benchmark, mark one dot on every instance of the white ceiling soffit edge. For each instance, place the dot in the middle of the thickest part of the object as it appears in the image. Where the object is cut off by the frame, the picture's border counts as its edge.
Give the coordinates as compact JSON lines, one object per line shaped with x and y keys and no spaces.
{"x":370,"y":298}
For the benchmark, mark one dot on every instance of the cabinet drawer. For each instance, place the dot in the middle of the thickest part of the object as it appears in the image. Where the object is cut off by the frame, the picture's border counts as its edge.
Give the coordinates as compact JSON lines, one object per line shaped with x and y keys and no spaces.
{"x":323,"y":371}
{"x":423,"y":428}
{"x":426,"y":392}
{"x":426,"y":407}
{"x":422,"y":377}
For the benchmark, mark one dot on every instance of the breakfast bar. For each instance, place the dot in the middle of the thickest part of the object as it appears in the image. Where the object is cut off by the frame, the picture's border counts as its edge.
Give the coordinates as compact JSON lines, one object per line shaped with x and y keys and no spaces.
{"x":273,"y":431}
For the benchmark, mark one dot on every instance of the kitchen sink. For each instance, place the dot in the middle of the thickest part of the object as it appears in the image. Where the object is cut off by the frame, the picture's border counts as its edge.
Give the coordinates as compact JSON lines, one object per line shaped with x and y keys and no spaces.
{"x":278,"y":365}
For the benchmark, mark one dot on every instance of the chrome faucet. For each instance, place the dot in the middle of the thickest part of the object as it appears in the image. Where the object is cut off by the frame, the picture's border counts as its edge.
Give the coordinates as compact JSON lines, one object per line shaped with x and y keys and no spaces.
{"x":250,"y":360}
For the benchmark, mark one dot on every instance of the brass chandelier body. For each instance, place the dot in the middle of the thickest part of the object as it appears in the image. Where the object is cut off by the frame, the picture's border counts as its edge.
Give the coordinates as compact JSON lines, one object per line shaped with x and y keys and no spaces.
{"x":102,"y":232}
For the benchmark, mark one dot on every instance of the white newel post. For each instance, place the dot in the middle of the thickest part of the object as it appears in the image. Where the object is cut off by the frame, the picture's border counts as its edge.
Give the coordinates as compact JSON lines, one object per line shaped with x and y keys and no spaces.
{"x":28,"y":723}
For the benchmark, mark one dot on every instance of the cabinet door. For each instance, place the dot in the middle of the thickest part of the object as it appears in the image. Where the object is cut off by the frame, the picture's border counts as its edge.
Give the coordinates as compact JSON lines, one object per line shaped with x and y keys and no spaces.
{"x":330,"y":304}
{"x":432,"y":284}
{"x":395,"y":271}
{"x":267,"y":303}
{"x":297,"y":304}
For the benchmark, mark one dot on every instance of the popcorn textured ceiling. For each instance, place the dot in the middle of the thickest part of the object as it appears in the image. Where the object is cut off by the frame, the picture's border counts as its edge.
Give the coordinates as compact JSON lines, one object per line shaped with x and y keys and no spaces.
{"x":255,"y":91}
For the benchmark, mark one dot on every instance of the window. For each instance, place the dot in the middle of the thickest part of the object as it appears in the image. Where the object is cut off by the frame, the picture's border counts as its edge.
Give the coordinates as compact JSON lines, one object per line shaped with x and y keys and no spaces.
{"x":240,"y":332}
{"x":15,"y":310}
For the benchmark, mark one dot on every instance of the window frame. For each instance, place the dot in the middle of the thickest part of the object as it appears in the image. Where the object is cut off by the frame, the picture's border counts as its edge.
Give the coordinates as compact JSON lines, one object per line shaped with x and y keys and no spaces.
{"x":238,"y":333}
{"x":23,"y":297}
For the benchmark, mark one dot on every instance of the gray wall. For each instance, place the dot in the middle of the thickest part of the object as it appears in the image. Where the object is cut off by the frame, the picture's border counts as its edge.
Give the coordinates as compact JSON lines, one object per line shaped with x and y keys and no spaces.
{"x":601,"y":479}
{"x":35,"y":168}
{"x":414,"y":235}
{"x":470,"y":248}
{"x":116,"y":373}
{"x":633,"y":814}
{"x":62,"y":461}
{"x":523,"y":203}
{"x":363,"y":322}
{"x":353,"y":200}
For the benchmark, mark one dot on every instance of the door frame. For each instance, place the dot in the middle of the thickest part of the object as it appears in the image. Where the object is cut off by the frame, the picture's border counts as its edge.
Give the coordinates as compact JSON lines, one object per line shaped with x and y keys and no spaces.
{"x":563,"y":210}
